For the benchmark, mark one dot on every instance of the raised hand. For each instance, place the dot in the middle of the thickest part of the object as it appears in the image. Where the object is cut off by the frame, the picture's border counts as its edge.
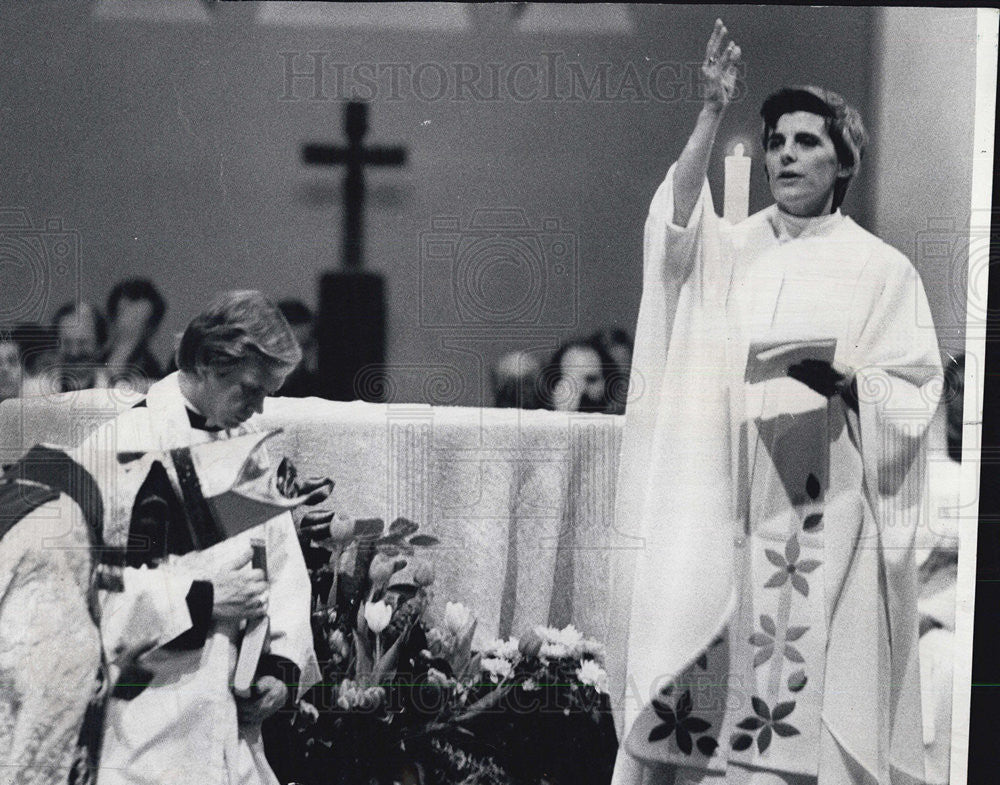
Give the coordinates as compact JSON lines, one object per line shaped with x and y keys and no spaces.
{"x":718,"y":70}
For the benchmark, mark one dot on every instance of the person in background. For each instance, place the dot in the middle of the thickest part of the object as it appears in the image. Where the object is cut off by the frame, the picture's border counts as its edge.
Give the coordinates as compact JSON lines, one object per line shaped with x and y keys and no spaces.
{"x":514,"y":378}
{"x":37,"y":347}
{"x":937,"y":559}
{"x":617,"y":344}
{"x":135,"y":310}
{"x":304,"y":381}
{"x":575,"y":379}
{"x":80,"y":332}
{"x":11,"y":367}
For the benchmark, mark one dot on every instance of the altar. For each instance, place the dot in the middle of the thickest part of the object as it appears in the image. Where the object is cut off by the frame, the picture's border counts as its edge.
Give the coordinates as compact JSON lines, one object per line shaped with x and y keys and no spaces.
{"x":522,"y":501}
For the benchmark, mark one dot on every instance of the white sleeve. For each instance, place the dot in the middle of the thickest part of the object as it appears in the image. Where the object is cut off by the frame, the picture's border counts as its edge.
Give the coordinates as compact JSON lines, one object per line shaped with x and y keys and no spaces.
{"x":149,"y":612}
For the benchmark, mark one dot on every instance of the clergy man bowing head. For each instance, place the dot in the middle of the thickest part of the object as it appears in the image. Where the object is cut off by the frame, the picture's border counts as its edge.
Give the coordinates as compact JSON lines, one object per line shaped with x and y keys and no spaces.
{"x":181,"y":722}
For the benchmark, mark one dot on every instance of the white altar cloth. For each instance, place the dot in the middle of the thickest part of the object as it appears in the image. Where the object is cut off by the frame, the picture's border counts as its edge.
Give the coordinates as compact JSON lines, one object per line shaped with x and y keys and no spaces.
{"x":523,"y":501}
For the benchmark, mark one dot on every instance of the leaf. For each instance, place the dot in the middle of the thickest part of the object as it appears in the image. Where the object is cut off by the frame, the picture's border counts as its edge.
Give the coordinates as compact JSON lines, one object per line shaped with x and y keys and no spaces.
{"x":760,"y":708}
{"x":794,"y":633}
{"x":801,"y":585}
{"x":760,"y":639}
{"x":402,"y":527}
{"x":763,"y":655}
{"x":741,"y":741}
{"x":363,"y":667}
{"x":782,"y":710}
{"x":386,"y":666}
{"x":807,"y":565}
{"x":785,"y":730}
{"x":424,"y":540}
{"x":793,"y":654}
{"x":775,"y":558}
{"x":767,"y":624}
{"x":684,"y":705}
{"x":764,"y":738}
{"x":792,"y":550}
{"x":660,"y":732}
{"x":696,"y":725}
{"x":813,"y":523}
{"x":750,"y":723}
{"x":778,"y":579}
{"x":683,"y":739}
{"x":664,"y":712}
{"x":813,"y":488}
{"x":797,"y":680}
{"x":707,"y":745}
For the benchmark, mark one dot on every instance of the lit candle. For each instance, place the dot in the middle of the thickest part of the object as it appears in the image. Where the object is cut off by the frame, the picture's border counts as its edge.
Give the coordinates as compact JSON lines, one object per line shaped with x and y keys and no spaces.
{"x":736,"y":203}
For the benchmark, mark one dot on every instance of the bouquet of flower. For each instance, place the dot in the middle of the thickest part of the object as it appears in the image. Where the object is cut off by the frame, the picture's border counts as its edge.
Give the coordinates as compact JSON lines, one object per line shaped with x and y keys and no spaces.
{"x":406,"y":698}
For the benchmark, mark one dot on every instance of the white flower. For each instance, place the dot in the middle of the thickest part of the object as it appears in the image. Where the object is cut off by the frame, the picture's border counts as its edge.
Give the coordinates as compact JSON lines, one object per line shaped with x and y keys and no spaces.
{"x":593,"y":649}
{"x":570,"y":637}
{"x":457,"y":617}
{"x":530,"y":685}
{"x":506,"y":649}
{"x":547,"y":634}
{"x":377,"y":615}
{"x":497,"y":667}
{"x":309,"y":710}
{"x":553,"y":651}
{"x":593,"y":674}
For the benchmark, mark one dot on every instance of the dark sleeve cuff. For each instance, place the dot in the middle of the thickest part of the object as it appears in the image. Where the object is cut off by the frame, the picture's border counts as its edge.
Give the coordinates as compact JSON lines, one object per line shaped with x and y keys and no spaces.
{"x":284,"y":670}
{"x":199,"y":601}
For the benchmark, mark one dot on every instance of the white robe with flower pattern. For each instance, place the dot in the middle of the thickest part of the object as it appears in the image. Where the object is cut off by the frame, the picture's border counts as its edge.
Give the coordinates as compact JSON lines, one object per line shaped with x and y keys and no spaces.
{"x":767,"y":615}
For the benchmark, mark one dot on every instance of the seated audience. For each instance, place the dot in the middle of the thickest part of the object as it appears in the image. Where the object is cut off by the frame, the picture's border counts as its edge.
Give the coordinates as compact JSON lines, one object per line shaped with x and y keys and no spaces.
{"x":11,"y":368}
{"x":575,"y":380}
{"x":37,"y":346}
{"x":515,"y":379}
{"x":135,"y":310}
{"x":80,"y":332}
{"x":304,"y":381}
{"x":618,"y":345}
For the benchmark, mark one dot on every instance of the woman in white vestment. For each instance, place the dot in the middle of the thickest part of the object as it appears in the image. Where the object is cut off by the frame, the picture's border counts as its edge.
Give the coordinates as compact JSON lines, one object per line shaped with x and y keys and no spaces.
{"x":771,"y":469}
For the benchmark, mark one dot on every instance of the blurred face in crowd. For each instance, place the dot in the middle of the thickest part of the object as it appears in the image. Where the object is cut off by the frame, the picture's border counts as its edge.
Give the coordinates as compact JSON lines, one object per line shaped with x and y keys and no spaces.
{"x":307,"y":341}
{"x":78,"y":343}
{"x":10,"y":370}
{"x":228,"y":398}
{"x":581,"y":381}
{"x":802,"y":165}
{"x":133,"y":316}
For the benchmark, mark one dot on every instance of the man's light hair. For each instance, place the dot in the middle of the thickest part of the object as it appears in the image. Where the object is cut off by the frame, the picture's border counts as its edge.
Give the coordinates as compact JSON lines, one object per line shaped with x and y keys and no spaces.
{"x":238,"y":326}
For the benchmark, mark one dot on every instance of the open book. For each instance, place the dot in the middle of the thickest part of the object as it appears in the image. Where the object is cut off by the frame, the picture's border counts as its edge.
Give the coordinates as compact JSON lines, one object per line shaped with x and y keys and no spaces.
{"x":771,"y":359}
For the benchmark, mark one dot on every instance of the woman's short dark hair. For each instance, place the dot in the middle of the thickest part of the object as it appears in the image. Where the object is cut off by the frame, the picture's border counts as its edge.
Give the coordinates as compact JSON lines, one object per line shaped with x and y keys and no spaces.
{"x":843,"y":123}
{"x":137,"y":289}
{"x":235,"y":327}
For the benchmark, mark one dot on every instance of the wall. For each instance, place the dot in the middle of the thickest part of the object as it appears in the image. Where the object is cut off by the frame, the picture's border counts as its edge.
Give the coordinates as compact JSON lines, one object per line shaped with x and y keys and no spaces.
{"x":169,"y":147}
{"x":924,"y":104}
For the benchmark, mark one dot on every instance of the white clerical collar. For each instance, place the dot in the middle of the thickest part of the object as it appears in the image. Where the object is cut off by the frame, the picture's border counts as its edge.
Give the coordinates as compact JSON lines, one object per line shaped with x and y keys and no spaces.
{"x":791,"y":227}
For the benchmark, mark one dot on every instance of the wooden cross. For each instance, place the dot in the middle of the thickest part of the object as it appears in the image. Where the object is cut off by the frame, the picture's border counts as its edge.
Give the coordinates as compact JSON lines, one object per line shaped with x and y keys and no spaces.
{"x":355,"y":156}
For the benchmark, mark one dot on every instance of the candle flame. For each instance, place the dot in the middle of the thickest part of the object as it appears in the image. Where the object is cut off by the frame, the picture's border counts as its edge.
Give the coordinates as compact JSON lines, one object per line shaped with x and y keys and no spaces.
{"x":739,"y":150}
